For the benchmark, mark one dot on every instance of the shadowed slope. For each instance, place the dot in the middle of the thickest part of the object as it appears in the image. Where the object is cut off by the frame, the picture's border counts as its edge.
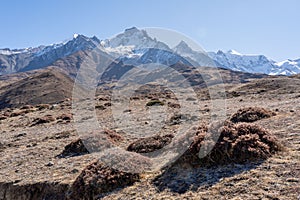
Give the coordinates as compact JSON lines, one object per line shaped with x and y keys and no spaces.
{"x":47,"y":86}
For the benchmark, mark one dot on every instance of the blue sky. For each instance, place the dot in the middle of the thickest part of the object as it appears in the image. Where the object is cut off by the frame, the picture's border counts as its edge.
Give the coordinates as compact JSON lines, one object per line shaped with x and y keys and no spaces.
{"x":250,"y":27}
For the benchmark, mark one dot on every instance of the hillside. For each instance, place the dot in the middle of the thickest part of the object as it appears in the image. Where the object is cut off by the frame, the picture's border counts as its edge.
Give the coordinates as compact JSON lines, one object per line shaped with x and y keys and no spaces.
{"x":47,"y":86}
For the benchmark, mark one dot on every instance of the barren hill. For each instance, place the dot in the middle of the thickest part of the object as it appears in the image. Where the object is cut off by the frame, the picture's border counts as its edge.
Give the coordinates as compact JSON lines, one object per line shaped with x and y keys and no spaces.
{"x":45,"y":86}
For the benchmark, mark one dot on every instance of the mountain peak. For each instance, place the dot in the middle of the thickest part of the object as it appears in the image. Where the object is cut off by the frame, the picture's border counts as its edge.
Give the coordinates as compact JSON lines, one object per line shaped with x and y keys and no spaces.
{"x":220,"y":52}
{"x":234,"y":52}
{"x":134,"y":38}
{"x":132,"y":29}
{"x":182,"y":47}
{"x":75,"y":35}
{"x":183,"y":44}
{"x":82,"y":39}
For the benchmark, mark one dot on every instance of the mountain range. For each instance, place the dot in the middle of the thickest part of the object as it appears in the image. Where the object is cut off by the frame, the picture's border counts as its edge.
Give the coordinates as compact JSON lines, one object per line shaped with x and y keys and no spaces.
{"x":135,"y":47}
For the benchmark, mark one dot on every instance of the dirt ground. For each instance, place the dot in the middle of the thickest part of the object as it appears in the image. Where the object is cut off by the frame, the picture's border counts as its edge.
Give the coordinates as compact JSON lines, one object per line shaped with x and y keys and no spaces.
{"x":30,"y":165}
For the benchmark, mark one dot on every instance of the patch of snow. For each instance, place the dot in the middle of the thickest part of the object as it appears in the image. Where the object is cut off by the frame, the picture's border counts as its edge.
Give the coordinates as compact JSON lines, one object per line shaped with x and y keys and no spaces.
{"x":234,"y":52}
{"x":286,"y":62}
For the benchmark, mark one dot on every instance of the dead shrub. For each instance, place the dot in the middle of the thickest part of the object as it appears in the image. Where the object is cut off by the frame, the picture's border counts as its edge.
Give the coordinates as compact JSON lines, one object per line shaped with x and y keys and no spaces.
{"x":237,"y":143}
{"x":2,"y":117}
{"x":174,"y":105}
{"x":103,"y":99}
{"x":248,"y":148}
{"x":7,"y":113}
{"x":113,"y":136}
{"x":100,"y":107}
{"x":107,"y":104}
{"x":43,"y":120}
{"x":26,"y":107}
{"x":97,"y":178}
{"x":135,"y":98}
{"x":251,"y":114}
{"x":150,"y":144}
{"x":75,"y":148}
{"x":18,"y":113}
{"x":191,"y":99}
{"x":179,"y":118}
{"x":2,"y":146}
{"x":93,"y":142}
{"x":42,"y":106}
{"x":155,"y":103}
{"x":65,"y":117}
{"x":60,"y":135}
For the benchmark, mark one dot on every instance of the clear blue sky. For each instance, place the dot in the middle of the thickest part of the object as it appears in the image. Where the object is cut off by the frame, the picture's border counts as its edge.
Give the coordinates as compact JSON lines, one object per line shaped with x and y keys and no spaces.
{"x":266,"y":27}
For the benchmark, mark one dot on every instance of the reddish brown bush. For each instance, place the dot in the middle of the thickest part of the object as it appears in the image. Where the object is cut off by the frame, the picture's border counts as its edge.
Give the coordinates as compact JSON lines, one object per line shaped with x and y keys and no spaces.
{"x":2,"y":117}
{"x":43,"y":120}
{"x":18,"y":113}
{"x":155,"y":103}
{"x":7,"y":113}
{"x":150,"y":144}
{"x":113,"y":136}
{"x":25,"y":107}
{"x":250,"y":114}
{"x":107,"y":104}
{"x":97,"y":178}
{"x":65,"y":117}
{"x":135,"y":98}
{"x":103,"y":98}
{"x":2,"y":146}
{"x":237,"y":143}
{"x":173,"y":105}
{"x":100,"y":107}
{"x":43,"y":106}
{"x":92,"y":142}
{"x":249,"y":147}
{"x":179,"y":118}
{"x":75,"y":148}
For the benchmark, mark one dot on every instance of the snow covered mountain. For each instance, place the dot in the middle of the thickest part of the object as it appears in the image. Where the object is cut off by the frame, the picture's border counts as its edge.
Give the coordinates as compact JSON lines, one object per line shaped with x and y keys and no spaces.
{"x":134,"y":38}
{"x":134,"y":47}
{"x":254,"y":63}
{"x":287,"y":67}
{"x":34,"y":58}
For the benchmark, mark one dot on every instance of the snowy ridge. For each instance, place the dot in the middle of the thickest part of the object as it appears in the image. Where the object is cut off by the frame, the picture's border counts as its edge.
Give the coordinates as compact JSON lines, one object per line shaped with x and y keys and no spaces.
{"x":135,"y":46}
{"x":254,"y":63}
